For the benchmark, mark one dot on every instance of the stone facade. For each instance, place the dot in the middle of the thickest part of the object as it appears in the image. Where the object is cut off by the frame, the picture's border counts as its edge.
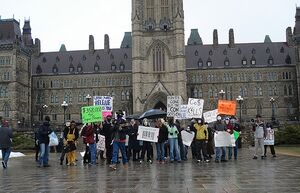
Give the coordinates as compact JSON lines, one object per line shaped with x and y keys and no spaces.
{"x":151,"y":63}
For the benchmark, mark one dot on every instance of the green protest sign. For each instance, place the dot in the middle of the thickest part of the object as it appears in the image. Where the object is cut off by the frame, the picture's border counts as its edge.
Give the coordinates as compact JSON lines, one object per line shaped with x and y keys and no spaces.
{"x":91,"y":114}
{"x":236,"y":135}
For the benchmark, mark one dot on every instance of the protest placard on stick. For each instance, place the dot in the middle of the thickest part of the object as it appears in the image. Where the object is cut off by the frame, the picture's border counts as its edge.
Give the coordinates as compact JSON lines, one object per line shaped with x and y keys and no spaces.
{"x":148,"y":134}
{"x":173,"y":106}
{"x":91,"y":114}
{"x":227,"y":107}
{"x":195,"y":108}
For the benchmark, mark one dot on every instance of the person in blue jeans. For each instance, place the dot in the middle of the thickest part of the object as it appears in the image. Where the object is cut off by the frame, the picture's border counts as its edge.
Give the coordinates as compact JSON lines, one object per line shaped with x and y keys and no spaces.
{"x":162,"y":139}
{"x":119,"y":138}
{"x":5,"y":142}
{"x":173,"y":140}
{"x":43,"y":137}
{"x":220,"y":151}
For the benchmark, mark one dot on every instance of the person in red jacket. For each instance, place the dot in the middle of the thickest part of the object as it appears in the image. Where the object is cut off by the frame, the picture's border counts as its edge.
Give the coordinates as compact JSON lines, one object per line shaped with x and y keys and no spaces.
{"x":87,"y":133}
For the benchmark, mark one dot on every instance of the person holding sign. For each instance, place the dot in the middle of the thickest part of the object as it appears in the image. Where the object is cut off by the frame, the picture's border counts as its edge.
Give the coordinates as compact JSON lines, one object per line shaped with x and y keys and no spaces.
{"x":88,"y":134}
{"x":173,"y":140}
{"x":147,"y":147}
{"x":220,"y":151}
{"x":270,"y":138}
{"x":201,"y":140}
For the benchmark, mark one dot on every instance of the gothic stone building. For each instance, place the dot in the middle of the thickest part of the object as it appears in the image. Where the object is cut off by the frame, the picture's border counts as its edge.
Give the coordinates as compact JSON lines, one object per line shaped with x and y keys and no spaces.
{"x":152,"y":63}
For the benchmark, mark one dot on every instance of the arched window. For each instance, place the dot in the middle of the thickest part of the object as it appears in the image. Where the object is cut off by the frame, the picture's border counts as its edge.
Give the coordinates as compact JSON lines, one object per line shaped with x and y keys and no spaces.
{"x":123,"y":96}
{"x":68,"y":97}
{"x":127,"y":95}
{"x":158,"y":56}
{"x":164,"y":8}
{"x":6,"y":109}
{"x":258,"y":108}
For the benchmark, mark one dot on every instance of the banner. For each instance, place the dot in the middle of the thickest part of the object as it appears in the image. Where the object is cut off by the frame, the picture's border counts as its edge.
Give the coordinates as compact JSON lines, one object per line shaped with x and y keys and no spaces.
{"x":106,"y":102}
{"x":101,"y":142}
{"x":226,"y":107}
{"x":148,"y":134}
{"x":195,"y":108}
{"x":210,"y":116}
{"x":187,"y":137}
{"x":91,"y":114}
{"x":182,"y":112}
{"x":270,"y":137}
{"x":173,"y":106}
{"x":223,"y":139}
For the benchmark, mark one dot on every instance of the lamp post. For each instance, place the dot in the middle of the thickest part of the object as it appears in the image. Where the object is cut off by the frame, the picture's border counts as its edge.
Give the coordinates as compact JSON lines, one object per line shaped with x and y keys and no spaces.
{"x":44,"y":107}
{"x":272,"y":101}
{"x":240,"y":101}
{"x":222,"y":92}
{"x":65,"y":106}
{"x":88,"y":97}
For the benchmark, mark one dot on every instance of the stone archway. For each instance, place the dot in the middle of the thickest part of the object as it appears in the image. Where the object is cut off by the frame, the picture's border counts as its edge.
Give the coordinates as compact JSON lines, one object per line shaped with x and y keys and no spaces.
{"x":156,"y":100}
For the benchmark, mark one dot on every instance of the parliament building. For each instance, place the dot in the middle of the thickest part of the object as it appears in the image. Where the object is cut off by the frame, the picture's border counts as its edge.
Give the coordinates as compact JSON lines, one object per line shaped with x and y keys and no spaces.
{"x":153,"y":62}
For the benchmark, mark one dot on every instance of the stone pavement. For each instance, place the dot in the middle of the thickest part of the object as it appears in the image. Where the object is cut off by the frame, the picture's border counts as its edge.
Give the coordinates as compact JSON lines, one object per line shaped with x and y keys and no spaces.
{"x":281,"y":174}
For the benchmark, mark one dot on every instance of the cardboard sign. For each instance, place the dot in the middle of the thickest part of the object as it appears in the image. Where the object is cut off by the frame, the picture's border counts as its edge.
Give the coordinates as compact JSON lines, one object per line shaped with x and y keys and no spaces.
{"x":148,"y":134}
{"x":187,"y":137}
{"x":101,"y":142}
{"x":183,"y":112}
{"x":210,"y":116}
{"x":224,"y":139}
{"x":270,"y":137}
{"x":195,"y":108}
{"x":91,"y":114}
{"x":106,"y":102}
{"x":226,"y":107}
{"x":173,"y":106}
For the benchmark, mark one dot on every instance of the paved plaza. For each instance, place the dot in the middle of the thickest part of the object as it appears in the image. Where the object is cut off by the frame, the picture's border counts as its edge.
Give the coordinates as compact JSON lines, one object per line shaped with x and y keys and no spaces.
{"x":281,"y":174}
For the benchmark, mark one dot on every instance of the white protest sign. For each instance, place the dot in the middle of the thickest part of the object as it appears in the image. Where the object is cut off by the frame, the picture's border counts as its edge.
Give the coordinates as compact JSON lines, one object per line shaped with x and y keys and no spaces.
{"x":187,"y":137}
{"x":106,"y":102}
{"x":101,"y":142}
{"x":210,"y":116}
{"x":195,"y":108}
{"x":148,"y":134}
{"x":222,"y":139}
{"x":173,"y":106}
{"x":270,"y":137}
{"x":183,"y":112}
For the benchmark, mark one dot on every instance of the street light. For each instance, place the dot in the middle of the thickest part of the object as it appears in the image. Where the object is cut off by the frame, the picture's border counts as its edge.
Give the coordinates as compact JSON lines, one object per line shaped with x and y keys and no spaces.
{"x":65,"y":106}
{"x":44,"y":107}
{"x":88,"y":97}
{"x":222,"y":92}
{"x":240,"y":101}
{"x":272,"y":101}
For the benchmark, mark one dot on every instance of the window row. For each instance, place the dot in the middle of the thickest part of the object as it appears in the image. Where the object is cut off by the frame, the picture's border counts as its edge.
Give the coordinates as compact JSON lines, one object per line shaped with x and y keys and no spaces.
{"x":3,"y":91}
{"x":5,"y":60}
{"x":5,"y":76}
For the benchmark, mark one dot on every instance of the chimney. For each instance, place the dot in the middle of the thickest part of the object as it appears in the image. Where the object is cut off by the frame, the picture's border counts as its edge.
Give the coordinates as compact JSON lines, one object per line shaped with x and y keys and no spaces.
{"x":215,"y":38}
{"x":106,"y":43}
{"x":289,"y":36}
{"x":231,"y":38}
{"x":91,"y":44}
{"x":37,"y":46}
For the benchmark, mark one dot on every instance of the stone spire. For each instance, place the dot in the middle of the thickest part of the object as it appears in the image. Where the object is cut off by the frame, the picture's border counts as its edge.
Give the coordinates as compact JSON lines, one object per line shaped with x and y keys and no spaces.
{"x":231,"y":38}
{"x":195,"y":38}
{"x":215,"y":38}
{"x":37,"y":47}
{"x":289,"y":36}
{"x":106,"y":43}
{"x":91,"y":44}
{"x":28,"y":41}
{"x":297,"y":26}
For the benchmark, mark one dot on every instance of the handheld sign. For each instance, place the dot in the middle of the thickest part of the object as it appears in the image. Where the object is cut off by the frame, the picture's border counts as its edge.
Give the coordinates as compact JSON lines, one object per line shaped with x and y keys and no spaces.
{"x":91,"y":114}
{"x":195,"y":108}
{"x":182,"y":112}
{"x":106,"y":102}
{"x":187,"y":137}
{"x":148,"y":134}
{"x":227,"y":107}
{"x":210,"y":116}
{"x":270,"y":137}
{"x":173,"y":106}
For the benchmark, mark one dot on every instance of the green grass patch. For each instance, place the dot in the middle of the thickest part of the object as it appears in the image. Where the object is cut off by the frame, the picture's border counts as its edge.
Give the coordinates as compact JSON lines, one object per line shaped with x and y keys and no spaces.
{"x":288,"y":150}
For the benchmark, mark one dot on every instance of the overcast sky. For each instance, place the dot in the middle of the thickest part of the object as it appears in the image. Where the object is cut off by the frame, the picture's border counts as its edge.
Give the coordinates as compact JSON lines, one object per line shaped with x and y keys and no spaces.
{"x":70,"y":22}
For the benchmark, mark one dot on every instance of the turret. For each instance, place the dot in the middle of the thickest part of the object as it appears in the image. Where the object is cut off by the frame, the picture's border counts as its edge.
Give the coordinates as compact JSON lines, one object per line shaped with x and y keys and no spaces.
{"x":289,"y":36}
{"x":297,"y":26}
{"x":27,"y":34}
{"x":195,"y":38}
{"x":127,"y":40}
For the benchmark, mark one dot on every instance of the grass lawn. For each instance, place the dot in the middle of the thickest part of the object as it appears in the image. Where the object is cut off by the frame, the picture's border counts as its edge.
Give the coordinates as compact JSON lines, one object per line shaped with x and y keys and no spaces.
{"x":288,"y":150}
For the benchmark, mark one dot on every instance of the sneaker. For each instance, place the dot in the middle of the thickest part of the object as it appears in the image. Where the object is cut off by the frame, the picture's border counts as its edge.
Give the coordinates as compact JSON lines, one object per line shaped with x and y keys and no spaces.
{"x":74,"y":164}
{"x":113,"y":166}
{"x":255,"y":157}
{"x":4,"y":164}
{"x":207,"y":161}
{"x":274,"y":155}
{"x":68,"y":164}
{"x":179,"y":161}
{"x":46,"y":166}
{"x":262,"y":157}
{"x":217,"y":161}
{"x":141,"y":161}
{"x":150,"y":161}
{"x":198,"y":161}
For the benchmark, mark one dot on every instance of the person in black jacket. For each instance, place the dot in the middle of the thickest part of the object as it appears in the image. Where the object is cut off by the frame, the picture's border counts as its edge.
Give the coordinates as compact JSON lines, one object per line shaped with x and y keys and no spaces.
{"x":43,"y":137}
{"x":107,"y":129}
{"x":162,"y":140}
{"x":5,"y":142}
{"x":133,"y":145}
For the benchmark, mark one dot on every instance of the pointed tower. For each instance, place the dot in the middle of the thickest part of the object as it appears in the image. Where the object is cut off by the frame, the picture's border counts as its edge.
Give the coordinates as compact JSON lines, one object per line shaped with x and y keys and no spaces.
{"x":28,"y":41}
{"x":158,"y":52}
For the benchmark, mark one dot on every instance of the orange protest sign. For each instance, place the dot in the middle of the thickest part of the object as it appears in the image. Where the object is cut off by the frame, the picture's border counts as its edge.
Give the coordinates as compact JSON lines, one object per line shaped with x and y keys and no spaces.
{"x":227,"y":107}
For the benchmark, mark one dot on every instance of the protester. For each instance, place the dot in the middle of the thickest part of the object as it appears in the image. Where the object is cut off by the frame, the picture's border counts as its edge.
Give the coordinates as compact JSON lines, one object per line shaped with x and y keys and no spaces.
{"x":201,"y":140}
{"x":173,"y":140}
{"x":210,"y":143}
{"x":180,"y":142}
{"x":229,"y":129}
{"x":147,"y":146}
{"x":36,"y":145}
{"x":107,"y":130}
{"x":236,"y":128}
{"x":71,"y":135}
{"x":43,"y":137}
{"x":65,"y":147}
{"x":133,"y":145}
{"x":193,"y":145}
{"x":259,"y":135}
{"x":162,"y":139}
{"x":6,"y":136}
{"x":220,"y":151}
{"x":88,"y":133}
{"x":119,"y":138}
{"x":269,"y":129}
